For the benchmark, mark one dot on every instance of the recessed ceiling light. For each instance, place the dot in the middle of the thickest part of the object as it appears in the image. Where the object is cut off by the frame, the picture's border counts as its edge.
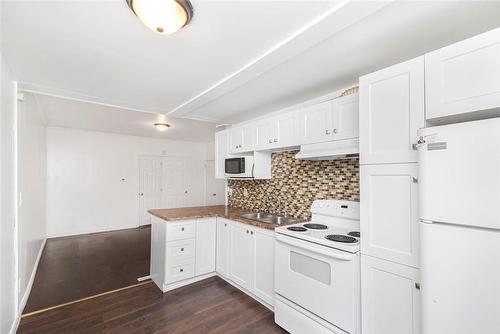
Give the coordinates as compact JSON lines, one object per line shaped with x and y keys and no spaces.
{"x":162,"y":126}
{"x":162,"y":16}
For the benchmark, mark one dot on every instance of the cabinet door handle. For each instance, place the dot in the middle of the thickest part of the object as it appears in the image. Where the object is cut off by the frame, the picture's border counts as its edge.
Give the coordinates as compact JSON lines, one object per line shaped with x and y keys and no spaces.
{"x":182,"y":229}
{"x":270,"y":141}
{"x":417,"y":286}
{"x":414,"y":179}
{"x":181,"y":270}
{"x":225,"y":224}
{"x":327,"y":132}
{"x":247,"y":231}
{"x":335,"y":130}
{"x":182,"y":249}
{"x":275,"y":140}
{"x":251,"y":232}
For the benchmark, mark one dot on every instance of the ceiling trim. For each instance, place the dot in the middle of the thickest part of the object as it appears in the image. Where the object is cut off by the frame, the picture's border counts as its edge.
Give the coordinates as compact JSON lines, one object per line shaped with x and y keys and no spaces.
{"x":339,"y":17}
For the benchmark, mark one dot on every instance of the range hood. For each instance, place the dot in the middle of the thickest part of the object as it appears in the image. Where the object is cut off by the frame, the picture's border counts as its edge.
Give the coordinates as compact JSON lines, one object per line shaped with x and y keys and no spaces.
{"x":331,"y":150}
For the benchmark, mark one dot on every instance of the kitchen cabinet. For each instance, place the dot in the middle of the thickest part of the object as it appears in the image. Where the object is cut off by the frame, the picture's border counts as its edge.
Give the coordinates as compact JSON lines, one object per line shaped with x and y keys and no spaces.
{"x":263,"y":264}
{"x":331,"y":120}
{"x":240,"y":255}
{"x":464,"y":77}
{"x":241,"y":139}
{"x":277,"y":132}
{"x":222,"y":262}
{"x":221,"y":152}
{"x":345,"y":117}
{"x":391,"y":110}
{"x":245,"y":256}
{"x":390,"y":297}
{"x":315,"y":123}
{"x":389,"y":212}
{"x":206,"y":233}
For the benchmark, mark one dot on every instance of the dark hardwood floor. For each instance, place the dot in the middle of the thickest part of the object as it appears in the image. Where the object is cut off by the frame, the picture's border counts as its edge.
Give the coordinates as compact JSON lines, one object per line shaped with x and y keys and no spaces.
{"x":209,"y":306}
{"x":80,"y":266}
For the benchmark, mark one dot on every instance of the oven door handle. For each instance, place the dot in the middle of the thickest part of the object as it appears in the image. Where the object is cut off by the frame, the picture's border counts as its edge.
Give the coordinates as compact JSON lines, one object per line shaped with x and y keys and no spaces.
{"x":312,"y":247}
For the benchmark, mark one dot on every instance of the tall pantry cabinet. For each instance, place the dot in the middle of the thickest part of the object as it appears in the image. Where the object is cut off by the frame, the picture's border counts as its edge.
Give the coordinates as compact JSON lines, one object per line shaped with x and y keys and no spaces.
{"x":391,"y":112}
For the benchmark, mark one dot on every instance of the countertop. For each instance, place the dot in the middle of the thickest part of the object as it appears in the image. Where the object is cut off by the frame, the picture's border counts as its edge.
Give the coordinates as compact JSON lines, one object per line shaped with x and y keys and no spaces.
{"x":170,"y":215}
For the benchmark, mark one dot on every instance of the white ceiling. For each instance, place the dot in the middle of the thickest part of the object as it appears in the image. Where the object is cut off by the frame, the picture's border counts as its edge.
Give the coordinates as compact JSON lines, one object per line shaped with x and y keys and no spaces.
{"x":90,"y":116}
{"x":235,"y":61}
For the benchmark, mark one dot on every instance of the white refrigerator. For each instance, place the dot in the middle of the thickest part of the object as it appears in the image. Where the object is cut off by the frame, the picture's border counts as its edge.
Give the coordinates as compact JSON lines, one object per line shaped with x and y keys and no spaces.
{"x":459,"y":183}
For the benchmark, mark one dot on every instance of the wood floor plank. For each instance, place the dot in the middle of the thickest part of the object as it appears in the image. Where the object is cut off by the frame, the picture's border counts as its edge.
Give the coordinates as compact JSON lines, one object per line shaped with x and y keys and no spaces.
{"x":76,"y":267}
{"x":208,"y":306}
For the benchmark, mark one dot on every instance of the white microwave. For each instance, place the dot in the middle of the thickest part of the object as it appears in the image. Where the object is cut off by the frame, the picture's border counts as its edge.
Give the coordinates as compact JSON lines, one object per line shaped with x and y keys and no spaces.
{"x":239,"y":167}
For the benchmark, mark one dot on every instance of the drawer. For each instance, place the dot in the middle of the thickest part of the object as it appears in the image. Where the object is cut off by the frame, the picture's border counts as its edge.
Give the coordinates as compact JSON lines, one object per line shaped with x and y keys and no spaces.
{"x":181,"y":230}
{"x":181,"y":271}
{"x":180,"y":250}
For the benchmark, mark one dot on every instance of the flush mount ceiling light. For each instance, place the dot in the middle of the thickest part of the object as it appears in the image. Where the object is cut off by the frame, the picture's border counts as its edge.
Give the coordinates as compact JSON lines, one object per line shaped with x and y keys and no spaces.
{"x":162,"y":16}
{"x":162,"y":126}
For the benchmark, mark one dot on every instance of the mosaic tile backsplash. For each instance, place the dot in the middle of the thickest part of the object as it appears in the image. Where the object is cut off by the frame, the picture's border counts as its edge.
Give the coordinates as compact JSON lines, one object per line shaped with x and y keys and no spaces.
{"x":296,"y":184}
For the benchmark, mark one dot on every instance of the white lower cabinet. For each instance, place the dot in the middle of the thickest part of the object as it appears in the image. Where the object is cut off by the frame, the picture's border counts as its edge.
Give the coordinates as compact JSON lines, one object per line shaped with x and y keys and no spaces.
{"x":222,"y":258}
{"x":245,"y":256}
{"x":390,"y":297}
{"x":206,"y":230}
{"x":263,"y":264}
{"x":240,"y":255}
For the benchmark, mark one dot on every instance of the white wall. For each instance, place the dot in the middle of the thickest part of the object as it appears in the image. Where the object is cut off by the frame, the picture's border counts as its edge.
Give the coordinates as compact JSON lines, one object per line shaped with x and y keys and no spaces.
{"x":8,"y":298}
{"x":85,"y":191}
{"x":32,"y":227}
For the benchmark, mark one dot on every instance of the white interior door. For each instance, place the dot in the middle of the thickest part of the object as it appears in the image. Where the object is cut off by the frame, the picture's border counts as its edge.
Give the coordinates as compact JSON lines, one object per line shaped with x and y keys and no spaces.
{"x":149,"y":187}
{"x":174,"y":183}
{"x":215,"y":188}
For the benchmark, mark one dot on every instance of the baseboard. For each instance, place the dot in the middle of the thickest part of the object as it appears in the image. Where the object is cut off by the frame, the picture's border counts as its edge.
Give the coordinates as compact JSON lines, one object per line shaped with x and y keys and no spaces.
{"x":26,"y":295}
{"x":71,"y":234}
{"x":188,"y":281}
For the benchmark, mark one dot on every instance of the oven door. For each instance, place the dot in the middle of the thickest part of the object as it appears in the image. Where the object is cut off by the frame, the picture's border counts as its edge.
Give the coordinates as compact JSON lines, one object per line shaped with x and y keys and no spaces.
{"x":234,"y":166}
{"x":319,"y":279}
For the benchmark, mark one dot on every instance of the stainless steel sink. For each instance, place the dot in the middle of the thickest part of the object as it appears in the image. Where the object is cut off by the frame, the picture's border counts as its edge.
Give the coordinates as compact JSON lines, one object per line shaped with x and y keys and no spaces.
{"x":256,"y":215}
{"x":269,"y":218}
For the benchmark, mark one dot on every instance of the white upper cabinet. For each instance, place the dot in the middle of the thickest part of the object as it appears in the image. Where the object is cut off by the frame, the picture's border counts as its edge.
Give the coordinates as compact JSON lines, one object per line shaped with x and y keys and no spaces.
{"x":345,"y":117}
{"x":391,"y":111}
{"x":331,"y":120}
{"x":277,"y":132}
{"x":389,"y":212}
{"x":316,"y":123}
{"x":464,"y":77}
{"x":221,"y":151}
{"x":241,"y":139}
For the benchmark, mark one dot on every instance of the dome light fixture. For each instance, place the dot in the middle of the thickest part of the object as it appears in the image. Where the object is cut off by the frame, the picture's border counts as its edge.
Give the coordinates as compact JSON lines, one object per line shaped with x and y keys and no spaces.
{"x":162,"y":16}
{"x":162,"y":126}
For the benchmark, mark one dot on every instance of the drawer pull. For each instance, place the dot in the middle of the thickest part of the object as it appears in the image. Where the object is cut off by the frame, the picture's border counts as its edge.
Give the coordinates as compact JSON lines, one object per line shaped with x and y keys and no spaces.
{"x":182,"y":228}
{"x":182,"y":249}
{"x":181,"y":270}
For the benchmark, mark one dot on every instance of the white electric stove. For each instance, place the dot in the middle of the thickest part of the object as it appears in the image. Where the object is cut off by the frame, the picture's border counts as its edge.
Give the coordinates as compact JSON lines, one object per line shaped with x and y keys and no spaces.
{"x":317,"y":271}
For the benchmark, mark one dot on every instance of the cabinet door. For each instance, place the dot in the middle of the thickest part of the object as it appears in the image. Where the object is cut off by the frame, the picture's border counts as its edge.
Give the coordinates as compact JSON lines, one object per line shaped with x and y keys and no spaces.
{"x":248,"y":141}
{"x":316,"y":123}
{"x":391,"y":110}
{"x":263,"y":133}
{"x":221,"y":150}
{"x":263,"y":272}
{"x":346,"y":117}
{"x":389,"y":212}
{"x":235,"y":139}
{"x":222,"y":258}
{"x":206,"y":230}
{"x":463,"y":77}
{"x":286,"y":130}
{"x":390,"y":297}
{"x":240,"y":255}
